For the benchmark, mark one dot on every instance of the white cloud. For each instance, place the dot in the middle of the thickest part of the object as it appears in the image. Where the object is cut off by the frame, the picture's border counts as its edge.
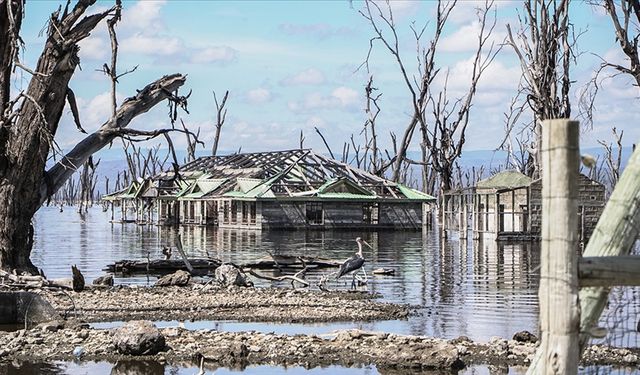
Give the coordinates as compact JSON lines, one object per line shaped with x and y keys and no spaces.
{"x":96,"y":111}
{"x":95,"y":48}
{"x":347,"y":97}
{"x":400,"y":8}
{"x":309,"y":76}
{"x":144,"y":15}
{"x":214,"y":54}
{"x":466,"y":11}
{"x":340,"y":98}
{"x":258,"y":96}
{"x":152,"y":45}
{"x":465,"y":38}
{"x":497,"y":76}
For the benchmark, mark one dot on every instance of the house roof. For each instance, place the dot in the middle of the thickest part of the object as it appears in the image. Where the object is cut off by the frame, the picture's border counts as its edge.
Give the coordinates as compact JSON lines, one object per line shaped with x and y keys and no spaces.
{"x":280,"y":174}
{"x":505,"y":180}
{"x":296,"y":173}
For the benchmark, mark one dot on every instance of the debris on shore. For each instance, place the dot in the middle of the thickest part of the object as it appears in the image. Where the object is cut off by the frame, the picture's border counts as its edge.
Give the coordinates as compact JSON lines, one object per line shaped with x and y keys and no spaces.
{"x":241,"y":349}
{"x":212,"y":302}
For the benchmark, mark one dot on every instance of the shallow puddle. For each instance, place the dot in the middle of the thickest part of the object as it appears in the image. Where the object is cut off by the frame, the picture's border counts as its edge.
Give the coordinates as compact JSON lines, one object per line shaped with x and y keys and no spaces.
{"x":277,"y":328}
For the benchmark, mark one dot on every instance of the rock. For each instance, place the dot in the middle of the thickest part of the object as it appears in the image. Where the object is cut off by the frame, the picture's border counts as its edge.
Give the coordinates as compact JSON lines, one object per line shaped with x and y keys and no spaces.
{"x":238,"y":350}
{"x":78,"y":279}
{"x":229,"y":275}
{"x":106,"y":280}
{"x":499,"y":346}
{"x":525,"y":336}
{"x":461,"y":340}
{"x":52,"y":326}
{"x":78,"y":351}
{"x":138,"y":337}
{"x":18,"y":307}
{"x":179,"y":278}
{"x":384,"y":271}
{"x":444,"y":356}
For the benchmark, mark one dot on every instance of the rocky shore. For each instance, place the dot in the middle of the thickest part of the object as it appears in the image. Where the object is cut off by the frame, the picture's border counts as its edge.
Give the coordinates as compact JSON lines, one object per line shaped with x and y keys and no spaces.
{"x":198,"y":302}
{"x":74,"y":339}
{"x":236,"y":350}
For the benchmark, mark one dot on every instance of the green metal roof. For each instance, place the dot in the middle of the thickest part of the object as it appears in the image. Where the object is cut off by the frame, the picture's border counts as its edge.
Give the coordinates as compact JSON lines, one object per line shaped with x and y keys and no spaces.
{"x":200,"y":187}
{"x":414,"y":194}
{"x":349,"y":196}
{"x":343,"y":183}
{"x":507,"y":179}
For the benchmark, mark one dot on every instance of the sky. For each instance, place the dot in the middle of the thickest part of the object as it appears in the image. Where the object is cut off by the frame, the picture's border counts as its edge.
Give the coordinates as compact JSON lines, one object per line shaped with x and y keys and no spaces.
{"x":291,"y":66}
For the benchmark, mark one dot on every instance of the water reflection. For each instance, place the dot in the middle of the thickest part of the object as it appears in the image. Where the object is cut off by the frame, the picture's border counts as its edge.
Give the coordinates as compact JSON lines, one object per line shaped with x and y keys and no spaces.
{"x":462,"y":287}
{"x":140,"y":367}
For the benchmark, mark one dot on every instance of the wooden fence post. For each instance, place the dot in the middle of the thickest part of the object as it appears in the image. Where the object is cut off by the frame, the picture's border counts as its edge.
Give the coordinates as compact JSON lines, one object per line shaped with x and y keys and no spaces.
{"x":559,"y":351}
{"x":615,"y":234}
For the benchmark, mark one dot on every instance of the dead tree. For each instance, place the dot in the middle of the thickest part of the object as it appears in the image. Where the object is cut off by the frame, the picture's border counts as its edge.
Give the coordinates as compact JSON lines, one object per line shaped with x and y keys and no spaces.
{"x":87,"y":181}
{"x":372,"y":110}
{"x":29,"y":122}
{"x":418,"y":86}
{"x":221,"y":116}
{"x":443,"y":123}
{"x":624,"y":15}
{"x":613,"y":159}
{"x":192,"y":142}
{"x":545,"y":51}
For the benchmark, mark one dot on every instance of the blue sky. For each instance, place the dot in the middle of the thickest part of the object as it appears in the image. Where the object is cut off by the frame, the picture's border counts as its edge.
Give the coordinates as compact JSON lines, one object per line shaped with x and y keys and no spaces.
{"x":290,"y":66}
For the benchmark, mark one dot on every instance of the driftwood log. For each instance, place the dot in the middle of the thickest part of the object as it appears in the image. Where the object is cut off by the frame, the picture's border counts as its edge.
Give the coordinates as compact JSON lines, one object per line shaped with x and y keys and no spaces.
{"x":291,"y":261}
{"x":162,"y":265}
{"x":25,"y":282}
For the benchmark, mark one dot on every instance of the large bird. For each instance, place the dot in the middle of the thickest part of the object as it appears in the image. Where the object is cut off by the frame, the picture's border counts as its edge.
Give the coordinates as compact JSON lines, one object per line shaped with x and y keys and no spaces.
{"x":354,"y":263}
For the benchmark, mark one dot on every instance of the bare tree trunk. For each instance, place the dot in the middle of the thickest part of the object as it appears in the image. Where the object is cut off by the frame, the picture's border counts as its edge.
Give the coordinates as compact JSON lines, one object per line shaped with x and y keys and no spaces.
{"x":28,"y":132}
{"x":221,"y":115}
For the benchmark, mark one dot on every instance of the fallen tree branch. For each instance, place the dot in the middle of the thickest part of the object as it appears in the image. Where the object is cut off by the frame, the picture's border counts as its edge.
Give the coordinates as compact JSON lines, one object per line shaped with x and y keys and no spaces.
{"x":278,"y":278}
{"x":146,"y":98}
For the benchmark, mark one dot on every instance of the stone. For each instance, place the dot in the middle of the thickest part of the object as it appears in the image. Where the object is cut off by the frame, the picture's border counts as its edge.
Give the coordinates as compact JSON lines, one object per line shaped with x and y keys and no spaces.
{"x":18,"y":307}
{"x":179,"y":278}
{"x":525,"y":336}
{"x":52,"y":326}
{"x":106,"y":280}
{"x":138,"y":337}
{"x":229,"y":275}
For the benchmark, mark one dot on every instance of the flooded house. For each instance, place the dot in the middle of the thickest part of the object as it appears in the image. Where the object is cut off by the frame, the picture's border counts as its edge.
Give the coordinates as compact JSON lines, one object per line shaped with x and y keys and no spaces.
{"x":291,"y":189}
{"x":508,"y":206}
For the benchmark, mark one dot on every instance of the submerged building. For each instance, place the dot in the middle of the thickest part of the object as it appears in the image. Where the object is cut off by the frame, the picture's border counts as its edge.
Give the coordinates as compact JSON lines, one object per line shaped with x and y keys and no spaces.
{"x":508,"y":206}
{"x":291,"y":189}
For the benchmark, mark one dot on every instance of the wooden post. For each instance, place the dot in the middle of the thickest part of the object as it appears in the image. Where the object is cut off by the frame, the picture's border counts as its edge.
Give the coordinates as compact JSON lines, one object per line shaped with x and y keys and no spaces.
{"x":615,"y":234}
{"x":463,"y":216}
{"x":559,"y":352}
{"x":497,"y":213}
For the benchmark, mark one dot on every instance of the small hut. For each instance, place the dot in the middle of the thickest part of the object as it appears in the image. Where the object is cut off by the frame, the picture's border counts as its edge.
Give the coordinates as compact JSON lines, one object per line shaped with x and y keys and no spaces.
{"x":508,"y":206}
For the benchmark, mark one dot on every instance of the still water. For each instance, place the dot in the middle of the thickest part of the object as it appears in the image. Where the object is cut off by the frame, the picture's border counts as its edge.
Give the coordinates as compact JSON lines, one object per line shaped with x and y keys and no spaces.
{"x":459,"y":287}
{"x":478,"y":291}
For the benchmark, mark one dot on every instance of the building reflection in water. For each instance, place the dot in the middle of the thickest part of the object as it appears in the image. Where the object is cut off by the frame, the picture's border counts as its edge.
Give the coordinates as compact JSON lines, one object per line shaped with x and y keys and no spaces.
{"x":461,"y":287}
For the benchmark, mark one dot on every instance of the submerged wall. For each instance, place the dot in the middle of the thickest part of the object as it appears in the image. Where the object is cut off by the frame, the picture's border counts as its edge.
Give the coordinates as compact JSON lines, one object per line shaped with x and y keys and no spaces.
{"x":341,"y":215}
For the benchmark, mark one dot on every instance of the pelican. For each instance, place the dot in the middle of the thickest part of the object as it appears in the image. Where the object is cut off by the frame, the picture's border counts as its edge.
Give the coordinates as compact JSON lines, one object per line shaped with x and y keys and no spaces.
{"x":354,"y":263}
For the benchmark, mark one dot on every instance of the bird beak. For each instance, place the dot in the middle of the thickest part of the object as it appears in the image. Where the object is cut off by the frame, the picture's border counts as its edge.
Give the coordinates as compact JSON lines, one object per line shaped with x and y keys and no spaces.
{"x":365,"y":242}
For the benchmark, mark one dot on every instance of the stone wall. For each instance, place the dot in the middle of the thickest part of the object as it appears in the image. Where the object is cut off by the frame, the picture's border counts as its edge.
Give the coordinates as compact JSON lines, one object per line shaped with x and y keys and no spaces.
{"x":591,"y":196}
